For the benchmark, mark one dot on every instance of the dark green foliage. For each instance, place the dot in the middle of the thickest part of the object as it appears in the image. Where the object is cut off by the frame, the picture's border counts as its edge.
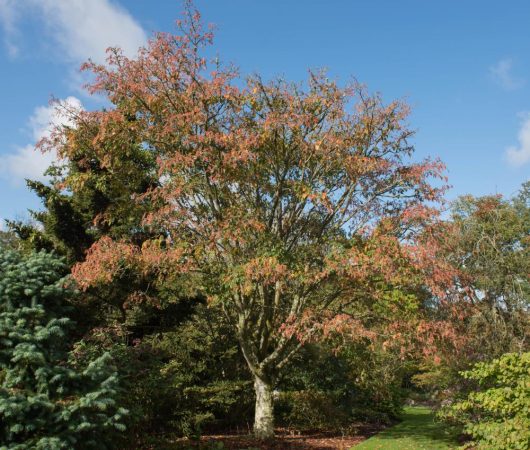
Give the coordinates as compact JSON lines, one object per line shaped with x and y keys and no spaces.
{"x":8,"y":240}
{"x":379,"y":379}
{"x":326,"y":389}
{"x":44,"y":402}
{"x":144,"y":391}
{"x":183,"y":378}
{"x":206,"y":375}
{"x":64,"y":227}
{"x":317,"y":391}
{"x":312,"y":410}
{"x":496,"y":410}
{"x":101,"y":203}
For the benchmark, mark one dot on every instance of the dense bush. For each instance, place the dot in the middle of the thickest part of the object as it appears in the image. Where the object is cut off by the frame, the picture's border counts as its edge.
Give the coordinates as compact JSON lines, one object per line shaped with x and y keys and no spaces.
{"x":496,"y":413}
{"x":311,"y":410}
{"x":181,"y":379}
{"x":379,"y":379}
{"x":45,"y":402}
{"x":210,"y":383}
{"x":326,"y":389}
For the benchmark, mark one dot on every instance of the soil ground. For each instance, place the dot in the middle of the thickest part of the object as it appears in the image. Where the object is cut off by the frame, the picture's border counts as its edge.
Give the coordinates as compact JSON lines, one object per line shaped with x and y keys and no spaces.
{"x":416,"y":431}
{"x":285,"y":439}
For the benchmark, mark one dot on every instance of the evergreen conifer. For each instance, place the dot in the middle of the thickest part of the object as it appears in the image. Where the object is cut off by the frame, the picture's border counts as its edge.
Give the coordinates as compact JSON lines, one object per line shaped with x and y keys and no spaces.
{"x":46,"y":402}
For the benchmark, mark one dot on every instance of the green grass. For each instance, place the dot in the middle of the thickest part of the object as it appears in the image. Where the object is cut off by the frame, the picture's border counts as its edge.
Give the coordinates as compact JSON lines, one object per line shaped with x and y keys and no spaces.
{"x":418,"y":430}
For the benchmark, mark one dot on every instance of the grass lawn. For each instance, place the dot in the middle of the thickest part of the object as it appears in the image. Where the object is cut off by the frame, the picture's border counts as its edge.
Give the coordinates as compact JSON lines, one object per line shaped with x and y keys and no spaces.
{"x":418,"y":430}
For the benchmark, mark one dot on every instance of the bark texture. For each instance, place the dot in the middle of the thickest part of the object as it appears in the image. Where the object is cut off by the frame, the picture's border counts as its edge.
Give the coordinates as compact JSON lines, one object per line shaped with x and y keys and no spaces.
{"x":263,"y":419}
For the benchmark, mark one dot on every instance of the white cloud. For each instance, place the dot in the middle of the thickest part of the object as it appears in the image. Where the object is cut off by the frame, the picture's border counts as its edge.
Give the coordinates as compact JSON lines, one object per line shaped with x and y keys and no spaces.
{"x":503,"y":76}
{"x":519,"y":155}
{"x":26,"y":162}
{"x":80,"y":29}
{"x":45,"y":118}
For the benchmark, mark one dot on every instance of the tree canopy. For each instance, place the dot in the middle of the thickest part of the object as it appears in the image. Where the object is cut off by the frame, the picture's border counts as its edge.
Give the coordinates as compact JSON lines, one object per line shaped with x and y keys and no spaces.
{"x":291,"y":202}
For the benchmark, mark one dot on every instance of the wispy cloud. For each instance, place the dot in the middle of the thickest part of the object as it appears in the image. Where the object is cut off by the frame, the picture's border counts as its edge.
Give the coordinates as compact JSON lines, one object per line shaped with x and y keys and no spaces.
{"x":8,"y":20}
{"x":502,"y":74}
{"x":80,"y":29}
{"x":25,"y":162}
{"x":519,"y":155}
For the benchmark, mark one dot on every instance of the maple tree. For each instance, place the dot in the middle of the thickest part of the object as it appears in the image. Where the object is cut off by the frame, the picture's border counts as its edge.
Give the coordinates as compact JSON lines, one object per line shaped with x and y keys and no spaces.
{"x":290,"y":203}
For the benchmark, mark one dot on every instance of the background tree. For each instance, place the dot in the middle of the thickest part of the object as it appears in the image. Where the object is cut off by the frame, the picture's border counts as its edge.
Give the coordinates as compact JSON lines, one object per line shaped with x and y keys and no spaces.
{"x":109,"y":318}
{"x":490,"y":245}
{"x":100,"y":206}
{"x":487,"y":242}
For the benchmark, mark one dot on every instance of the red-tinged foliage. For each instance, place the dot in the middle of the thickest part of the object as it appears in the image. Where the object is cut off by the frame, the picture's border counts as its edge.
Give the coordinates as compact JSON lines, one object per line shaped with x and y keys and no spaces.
{"x":103,"y":262}
{"x":433,"y":340}
{"x":299,"y":205}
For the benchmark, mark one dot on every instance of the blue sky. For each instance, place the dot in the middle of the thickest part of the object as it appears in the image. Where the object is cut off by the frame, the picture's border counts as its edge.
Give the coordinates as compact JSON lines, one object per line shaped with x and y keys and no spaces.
{"x":463,"y":66}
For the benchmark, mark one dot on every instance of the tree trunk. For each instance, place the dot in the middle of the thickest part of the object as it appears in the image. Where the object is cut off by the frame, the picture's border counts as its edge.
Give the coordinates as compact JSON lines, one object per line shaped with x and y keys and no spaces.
{"x":263,"y":419}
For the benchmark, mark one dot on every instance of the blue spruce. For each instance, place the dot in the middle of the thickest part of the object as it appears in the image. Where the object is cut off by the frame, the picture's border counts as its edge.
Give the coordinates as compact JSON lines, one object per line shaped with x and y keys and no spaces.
{"x":46,"y":401}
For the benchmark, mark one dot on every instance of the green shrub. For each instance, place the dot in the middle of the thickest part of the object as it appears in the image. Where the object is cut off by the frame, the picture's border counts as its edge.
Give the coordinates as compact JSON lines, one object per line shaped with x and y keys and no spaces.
{"x":311,"y":410}
{"x":145,"y":393}
{"x":496,"y":414}
{"x":378,"y":380}
{"x":328,"y":389}
{"x":210,"y":383}
{"x":181,"y":379}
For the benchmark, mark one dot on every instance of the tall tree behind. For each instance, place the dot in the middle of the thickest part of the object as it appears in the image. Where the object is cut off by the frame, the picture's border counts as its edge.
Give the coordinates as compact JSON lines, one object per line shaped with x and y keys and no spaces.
{"x":100,"y":205}
{"x":490,"y":243}
{"x":487,"y":241}
{"x":86,"y":200}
